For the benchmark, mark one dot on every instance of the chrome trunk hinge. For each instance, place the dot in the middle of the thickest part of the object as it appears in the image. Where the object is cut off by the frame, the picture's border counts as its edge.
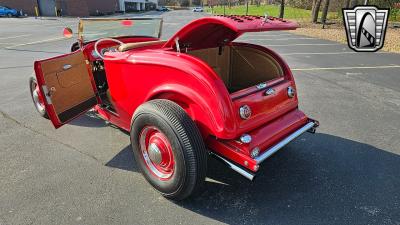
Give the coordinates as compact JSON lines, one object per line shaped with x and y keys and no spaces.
{"x":265,"y":19}
{"x":178,"y":48}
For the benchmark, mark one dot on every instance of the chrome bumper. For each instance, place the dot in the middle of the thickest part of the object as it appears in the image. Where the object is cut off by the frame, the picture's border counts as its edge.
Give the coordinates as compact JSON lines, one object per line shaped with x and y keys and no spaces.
{"x":239,"y":169}
{"x":310,"y":127}
{"x":269,"y":152}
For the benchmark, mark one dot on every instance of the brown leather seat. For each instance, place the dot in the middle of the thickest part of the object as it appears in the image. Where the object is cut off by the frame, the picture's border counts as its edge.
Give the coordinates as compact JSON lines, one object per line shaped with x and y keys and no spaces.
{"x":129,"y":46}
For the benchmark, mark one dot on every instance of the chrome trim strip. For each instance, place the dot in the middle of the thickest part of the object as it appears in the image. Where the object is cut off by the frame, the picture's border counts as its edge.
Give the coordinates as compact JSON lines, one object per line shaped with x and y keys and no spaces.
{"x":269,"y":152}
{"x":241,"y":171}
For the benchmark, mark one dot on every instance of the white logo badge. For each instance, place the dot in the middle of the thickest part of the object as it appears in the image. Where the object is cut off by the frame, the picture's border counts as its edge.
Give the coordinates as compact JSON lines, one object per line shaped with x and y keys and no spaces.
{"x":365,"y":27}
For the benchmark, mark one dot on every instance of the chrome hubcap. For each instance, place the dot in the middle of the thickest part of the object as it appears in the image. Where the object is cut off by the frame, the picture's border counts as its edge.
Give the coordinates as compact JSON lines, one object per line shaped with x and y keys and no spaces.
{"x":157,"y":153}
{"x":154,"y":153}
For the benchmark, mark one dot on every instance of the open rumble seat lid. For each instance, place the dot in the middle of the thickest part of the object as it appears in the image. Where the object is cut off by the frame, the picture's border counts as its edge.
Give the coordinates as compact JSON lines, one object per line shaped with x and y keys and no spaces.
{"x":214,"y":31}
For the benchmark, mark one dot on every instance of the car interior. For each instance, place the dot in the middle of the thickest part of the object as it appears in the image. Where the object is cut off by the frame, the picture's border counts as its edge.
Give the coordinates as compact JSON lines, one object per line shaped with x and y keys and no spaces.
{"x":240,"y":67}
{"x":99,"y":72}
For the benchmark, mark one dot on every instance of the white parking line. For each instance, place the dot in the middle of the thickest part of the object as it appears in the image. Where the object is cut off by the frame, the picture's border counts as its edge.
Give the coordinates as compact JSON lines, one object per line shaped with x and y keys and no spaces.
{"x":266,"y":35}
{"x":23,"y":35}
{"x":328,"y":53}
{"x":310,"y":44}
{"x":318,"y":53}
{"x":37,"y":42}
{"x":346,"y":68}
{"x":279,"y":39}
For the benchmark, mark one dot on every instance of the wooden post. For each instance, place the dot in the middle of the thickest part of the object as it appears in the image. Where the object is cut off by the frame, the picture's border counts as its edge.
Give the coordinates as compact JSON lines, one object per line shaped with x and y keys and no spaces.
{"x":247,"y":7}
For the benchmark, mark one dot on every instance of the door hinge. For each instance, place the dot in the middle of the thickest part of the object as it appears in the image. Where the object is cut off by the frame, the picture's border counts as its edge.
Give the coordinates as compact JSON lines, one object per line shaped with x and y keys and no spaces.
{"x":47,"y":94}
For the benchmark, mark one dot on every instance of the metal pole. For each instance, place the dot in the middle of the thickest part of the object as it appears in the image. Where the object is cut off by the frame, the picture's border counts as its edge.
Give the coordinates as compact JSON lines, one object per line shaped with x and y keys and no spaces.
{"x":247,"y":8}
{"x":36,"y":11}
{"x":224,"y":8}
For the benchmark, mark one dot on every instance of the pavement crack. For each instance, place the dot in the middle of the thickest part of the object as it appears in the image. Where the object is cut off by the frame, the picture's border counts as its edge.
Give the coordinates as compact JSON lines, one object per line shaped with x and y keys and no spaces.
{"x":6,"y":116}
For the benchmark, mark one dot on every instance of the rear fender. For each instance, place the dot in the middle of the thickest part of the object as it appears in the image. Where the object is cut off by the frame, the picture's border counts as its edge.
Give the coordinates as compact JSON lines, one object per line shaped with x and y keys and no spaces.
{"x":211,"y":116}
{"x":178,"y":77}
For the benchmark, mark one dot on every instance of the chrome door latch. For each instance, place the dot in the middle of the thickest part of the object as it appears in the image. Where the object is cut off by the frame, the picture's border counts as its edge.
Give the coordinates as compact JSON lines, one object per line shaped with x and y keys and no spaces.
{"x":67,"y":66}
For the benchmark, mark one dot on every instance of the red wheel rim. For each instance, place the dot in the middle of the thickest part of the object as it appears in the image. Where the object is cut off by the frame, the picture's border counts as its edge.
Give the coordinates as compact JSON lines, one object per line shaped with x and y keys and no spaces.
{"x":157,"y":152}
{"x":37,"y":97}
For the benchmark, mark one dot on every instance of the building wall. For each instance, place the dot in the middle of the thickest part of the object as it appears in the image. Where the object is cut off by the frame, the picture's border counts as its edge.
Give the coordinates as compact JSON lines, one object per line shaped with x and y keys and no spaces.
{"x":140,"y":4}
{"x":74,"y":7}
{"x":102,"y":6}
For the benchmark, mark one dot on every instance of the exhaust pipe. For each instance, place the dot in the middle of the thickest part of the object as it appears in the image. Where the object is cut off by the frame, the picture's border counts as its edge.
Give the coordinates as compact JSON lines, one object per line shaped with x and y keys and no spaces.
{"x":234,"y":167}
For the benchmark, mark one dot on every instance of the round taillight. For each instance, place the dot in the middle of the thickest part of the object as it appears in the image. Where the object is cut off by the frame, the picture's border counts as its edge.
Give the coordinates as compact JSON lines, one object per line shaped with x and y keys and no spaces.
{"x":291,"y":92}
{"x":245,"y":112}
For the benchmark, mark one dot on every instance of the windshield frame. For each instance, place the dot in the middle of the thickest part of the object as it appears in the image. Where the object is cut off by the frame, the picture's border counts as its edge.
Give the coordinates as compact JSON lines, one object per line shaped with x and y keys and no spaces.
{"x":82,"y":20}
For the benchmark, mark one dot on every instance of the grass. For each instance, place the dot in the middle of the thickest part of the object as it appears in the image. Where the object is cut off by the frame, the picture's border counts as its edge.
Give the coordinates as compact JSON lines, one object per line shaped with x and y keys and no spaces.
{"x":271,"y":10}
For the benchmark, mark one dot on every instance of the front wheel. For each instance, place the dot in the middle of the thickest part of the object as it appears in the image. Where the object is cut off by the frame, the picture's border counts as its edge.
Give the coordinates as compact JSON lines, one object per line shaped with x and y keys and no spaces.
{"x":37,"y":97}
{"x":169,"y":149}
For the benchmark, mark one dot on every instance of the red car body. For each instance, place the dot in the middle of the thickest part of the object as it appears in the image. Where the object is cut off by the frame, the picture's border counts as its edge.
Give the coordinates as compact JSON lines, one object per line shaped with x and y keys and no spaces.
{"x":163,"y":70}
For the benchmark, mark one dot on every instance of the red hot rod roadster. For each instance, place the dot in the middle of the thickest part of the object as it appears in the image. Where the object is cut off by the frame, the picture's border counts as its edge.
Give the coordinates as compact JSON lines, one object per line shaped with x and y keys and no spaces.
{"x":197,"y":94}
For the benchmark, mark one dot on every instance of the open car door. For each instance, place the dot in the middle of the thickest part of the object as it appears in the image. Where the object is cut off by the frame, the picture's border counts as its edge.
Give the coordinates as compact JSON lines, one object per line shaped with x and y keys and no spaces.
{"x":66,"y":83}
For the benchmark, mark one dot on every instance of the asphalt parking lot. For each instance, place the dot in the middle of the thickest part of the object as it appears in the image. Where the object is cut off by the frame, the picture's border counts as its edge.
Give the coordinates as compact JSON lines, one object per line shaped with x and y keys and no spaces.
{"x":83,"y":173}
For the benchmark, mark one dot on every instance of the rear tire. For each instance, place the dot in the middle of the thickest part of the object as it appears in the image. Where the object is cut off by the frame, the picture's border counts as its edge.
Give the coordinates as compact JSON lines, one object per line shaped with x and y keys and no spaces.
{"x":37,"y":98}
{"x":169,"y":149}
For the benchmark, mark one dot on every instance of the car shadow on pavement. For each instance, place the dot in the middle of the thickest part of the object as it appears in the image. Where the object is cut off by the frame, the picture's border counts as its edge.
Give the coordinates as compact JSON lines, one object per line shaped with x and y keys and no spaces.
{"x":318,"y":179}
{"x":89,"y":119}
{"x":124,"y":160}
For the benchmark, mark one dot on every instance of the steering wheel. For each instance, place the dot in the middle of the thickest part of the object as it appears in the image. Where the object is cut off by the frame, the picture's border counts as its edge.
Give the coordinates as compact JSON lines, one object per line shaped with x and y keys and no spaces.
{"x":100,"y":54}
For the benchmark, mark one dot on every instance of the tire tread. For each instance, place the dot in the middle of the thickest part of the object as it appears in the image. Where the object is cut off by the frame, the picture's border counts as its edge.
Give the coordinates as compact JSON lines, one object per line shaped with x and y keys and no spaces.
{"x":192,"y":144}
